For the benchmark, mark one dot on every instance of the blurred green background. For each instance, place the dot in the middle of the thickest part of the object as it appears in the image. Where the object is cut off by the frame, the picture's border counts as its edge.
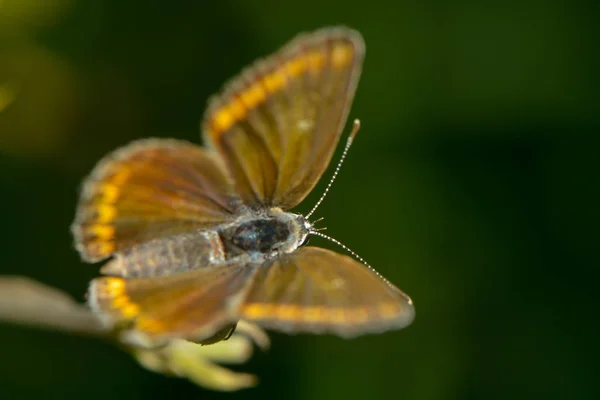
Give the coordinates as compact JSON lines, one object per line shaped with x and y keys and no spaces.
{"x":473,"y":184}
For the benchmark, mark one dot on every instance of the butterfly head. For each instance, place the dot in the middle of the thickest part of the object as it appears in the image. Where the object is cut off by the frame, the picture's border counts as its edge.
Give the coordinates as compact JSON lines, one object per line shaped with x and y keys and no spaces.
{"x":305,"y":227}
{"x":299,"y":229}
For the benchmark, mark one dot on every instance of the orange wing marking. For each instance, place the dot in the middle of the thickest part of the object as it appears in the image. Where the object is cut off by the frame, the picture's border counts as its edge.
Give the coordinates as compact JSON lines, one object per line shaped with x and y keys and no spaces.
{"x":317,"y":314}
{"x":238,"y":106}
{"x":113,"y":290}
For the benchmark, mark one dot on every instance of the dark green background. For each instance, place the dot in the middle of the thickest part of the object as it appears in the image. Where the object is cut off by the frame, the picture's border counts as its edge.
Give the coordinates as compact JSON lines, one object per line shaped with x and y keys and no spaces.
{"x":473,"y":185}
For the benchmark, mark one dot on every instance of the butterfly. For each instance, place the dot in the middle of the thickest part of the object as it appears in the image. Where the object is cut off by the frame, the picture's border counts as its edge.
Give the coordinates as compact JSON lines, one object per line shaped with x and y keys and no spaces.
{"x":199,"y":238}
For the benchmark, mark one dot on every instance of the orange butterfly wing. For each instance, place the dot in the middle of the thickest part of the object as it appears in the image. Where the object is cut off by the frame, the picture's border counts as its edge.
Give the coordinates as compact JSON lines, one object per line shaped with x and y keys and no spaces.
{"x":193,"y":305}
{"x":278,"y":123}
{"x":320,"y":291}
{"x":310,"y":290}
{"x":150,"y":189}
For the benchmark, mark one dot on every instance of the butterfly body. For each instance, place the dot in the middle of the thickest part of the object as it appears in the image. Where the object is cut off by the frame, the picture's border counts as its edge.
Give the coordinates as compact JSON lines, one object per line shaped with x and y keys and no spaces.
{"x":199,"y":238}
{"x":265,"y":234}
{"x":255,"y":237}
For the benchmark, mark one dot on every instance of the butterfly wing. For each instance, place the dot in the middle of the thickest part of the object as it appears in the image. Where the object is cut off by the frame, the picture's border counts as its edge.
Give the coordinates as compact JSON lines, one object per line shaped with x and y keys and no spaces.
{"x":317,"y":290}
{"x":149,"y":189}
{"x":277,"y":124}
{"x":193,"y":305}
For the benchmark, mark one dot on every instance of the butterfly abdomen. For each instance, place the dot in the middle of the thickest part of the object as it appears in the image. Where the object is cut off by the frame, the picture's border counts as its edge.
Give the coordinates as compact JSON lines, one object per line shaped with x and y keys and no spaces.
{"x":177,"y":253}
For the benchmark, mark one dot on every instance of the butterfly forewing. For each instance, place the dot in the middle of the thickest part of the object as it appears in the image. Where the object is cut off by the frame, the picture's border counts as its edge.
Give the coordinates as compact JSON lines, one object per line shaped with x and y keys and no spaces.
{"x":317,"y":290}
{"x":277,"y":124}
{"x":150,"y":189}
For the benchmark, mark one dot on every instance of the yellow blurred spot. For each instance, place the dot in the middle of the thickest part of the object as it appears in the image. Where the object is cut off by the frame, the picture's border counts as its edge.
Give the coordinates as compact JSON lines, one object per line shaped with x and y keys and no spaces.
{"x":290,"y":312}
{"x":115,"y":284}
{"x":110,"y":193}
{"x":18,"y":15}
{"x":341,"y":55}
{"x":7,"y":95}
{"x":114,"y":290}
{"x":254,"y":95}
{"x":237,"y":109}
{"x":130,"y":310}
{"x":313,"y":314}
{"x":39,"y":122}
{"x":297,"y":66}
{"x":315,"y":59}
{"x":223,"y":120}
{"x":127,"y":309}
{"x":149,"y":325}
{"x":257,"y":311}
{"x":104,"y":232}
{"x":274,"y":81}
{"x":119,"y":302}
{"x":106,"y":213}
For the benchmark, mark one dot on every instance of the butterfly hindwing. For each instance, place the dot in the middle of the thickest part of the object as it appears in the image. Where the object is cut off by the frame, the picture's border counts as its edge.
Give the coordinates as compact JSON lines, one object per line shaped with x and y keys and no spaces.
{"x":320,"y":291}
{"x":193,"y":305}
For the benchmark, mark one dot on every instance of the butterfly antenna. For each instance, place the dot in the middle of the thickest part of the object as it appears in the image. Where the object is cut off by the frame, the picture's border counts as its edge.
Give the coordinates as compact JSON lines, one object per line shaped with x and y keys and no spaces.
{"x":359,"y":258}
{"x":355,"y":128}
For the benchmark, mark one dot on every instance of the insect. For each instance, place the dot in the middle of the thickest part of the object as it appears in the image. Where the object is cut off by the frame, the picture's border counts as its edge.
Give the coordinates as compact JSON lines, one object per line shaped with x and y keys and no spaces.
{"x":199,"y":238}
